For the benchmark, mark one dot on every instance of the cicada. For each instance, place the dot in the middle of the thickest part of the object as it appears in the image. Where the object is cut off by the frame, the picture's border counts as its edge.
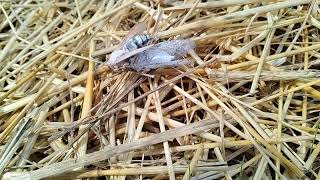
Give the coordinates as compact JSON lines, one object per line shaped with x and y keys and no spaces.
{"x":138,"y":52}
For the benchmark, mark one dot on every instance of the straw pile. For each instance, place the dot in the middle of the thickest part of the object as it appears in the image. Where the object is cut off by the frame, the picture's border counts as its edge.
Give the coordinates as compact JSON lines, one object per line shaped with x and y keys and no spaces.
{"x":246,"y":107}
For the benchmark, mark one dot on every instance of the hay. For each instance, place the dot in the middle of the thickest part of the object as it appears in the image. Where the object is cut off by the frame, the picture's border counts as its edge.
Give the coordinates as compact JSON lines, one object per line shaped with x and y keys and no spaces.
{"x":246,"y":107}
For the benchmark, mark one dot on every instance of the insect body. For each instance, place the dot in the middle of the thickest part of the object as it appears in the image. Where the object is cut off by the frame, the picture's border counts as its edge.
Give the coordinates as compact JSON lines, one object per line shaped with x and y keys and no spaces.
{"x":137,"y":41}
{"x":128,"y":47}
{"x":134,"y":53}
{"x":161,"y":55}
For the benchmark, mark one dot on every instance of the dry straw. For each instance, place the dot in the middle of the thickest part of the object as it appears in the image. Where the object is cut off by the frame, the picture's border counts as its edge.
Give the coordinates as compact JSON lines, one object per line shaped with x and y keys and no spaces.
{"x":245,"y":107}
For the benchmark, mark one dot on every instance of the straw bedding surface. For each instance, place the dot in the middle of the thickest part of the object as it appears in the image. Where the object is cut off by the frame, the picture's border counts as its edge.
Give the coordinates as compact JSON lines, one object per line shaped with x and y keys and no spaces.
{"x":247,"y":105}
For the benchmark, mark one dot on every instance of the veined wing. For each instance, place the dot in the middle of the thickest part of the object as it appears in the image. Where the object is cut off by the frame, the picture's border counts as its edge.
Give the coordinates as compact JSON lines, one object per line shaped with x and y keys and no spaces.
{"x":120,"y":54}
{"x":179,"y":47}
{"x":154,"y":58}
{"x":132,"y":53}
{"x":135,"y":30}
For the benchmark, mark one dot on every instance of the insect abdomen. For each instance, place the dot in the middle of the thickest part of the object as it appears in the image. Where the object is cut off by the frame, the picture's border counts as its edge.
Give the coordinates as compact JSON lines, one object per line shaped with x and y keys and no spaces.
{"x":137,"y":41}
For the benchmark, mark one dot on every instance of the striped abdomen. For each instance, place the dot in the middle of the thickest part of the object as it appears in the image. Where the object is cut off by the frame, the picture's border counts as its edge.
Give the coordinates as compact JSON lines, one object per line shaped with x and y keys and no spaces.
{"x":137,"y":41}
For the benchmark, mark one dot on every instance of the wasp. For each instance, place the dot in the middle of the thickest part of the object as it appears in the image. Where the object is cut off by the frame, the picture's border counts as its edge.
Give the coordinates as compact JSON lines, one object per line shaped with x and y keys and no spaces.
{"x":136,"y":52}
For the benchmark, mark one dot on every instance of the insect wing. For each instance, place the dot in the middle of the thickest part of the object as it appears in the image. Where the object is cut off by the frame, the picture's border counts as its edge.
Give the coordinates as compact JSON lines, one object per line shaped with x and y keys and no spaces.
{"x":120,"y":54}
{"x":132,"y":53}
{"x":176,"y":47}
{"x":154,"y":58}
{"x":135,"y":30}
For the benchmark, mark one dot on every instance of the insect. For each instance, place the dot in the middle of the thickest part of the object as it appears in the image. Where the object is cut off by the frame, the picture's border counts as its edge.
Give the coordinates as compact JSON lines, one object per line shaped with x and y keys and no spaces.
{"x":137,"y":41}
{"x":136,"y":53}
